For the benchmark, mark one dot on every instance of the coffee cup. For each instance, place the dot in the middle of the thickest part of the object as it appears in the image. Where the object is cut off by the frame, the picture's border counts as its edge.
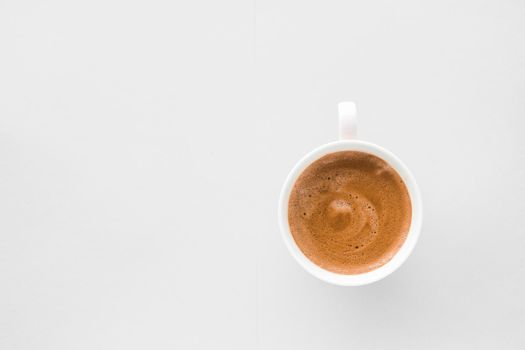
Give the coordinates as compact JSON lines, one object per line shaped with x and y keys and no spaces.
{"x":348,"y":142}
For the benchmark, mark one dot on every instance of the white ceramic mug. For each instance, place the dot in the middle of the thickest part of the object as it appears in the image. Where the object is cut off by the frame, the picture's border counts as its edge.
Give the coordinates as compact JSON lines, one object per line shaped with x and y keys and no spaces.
{"x":348,"y":142}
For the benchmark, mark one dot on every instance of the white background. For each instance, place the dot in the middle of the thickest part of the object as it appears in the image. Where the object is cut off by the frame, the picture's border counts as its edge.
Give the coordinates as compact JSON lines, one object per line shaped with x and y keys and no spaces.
{"x":143,"y":146}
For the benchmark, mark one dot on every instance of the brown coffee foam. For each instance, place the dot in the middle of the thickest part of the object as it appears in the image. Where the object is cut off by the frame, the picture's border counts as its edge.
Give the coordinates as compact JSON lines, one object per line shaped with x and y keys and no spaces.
{"x":349,"y":212}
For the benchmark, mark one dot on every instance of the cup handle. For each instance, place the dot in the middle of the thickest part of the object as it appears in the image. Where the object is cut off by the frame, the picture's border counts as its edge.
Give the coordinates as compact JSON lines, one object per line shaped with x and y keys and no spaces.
{"x":347,"y":120}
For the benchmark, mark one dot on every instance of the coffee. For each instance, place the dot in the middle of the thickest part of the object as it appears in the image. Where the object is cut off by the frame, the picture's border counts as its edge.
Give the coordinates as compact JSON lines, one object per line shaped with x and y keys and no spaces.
{"x":349,"y":212}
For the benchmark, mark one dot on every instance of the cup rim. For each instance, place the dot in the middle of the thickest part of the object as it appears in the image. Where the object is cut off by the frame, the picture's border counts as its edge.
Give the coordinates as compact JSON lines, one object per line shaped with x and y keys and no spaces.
{"x":415,"y":225}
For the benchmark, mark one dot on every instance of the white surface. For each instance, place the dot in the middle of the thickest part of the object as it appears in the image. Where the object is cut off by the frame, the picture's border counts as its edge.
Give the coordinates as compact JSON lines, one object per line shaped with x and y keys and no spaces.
{"x":144,"y":144}
{"x":413,"y":191}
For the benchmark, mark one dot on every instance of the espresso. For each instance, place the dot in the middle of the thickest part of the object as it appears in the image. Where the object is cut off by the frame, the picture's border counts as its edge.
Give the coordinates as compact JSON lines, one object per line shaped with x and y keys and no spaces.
{"x":349,"y":212}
